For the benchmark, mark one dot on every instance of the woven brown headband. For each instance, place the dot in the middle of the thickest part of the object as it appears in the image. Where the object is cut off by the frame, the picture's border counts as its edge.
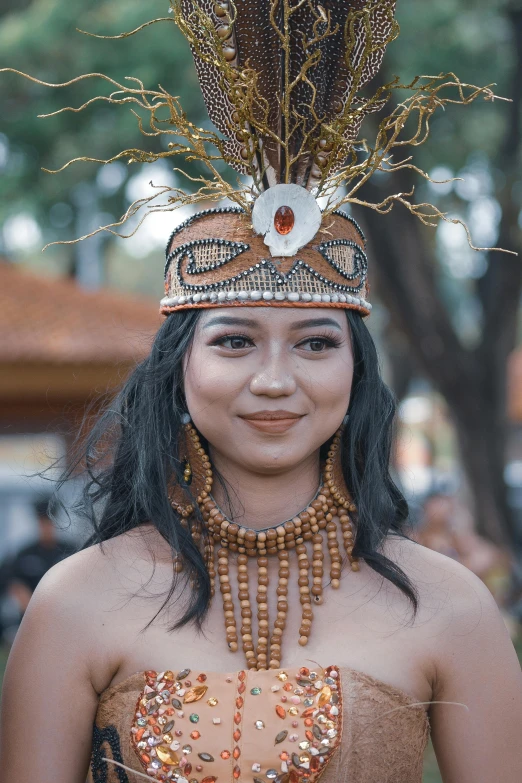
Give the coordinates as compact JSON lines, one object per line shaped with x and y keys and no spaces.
{"x":215,"y":259}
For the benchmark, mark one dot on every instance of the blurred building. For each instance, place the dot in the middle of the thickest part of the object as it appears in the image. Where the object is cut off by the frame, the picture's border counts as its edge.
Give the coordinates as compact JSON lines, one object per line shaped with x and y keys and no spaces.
{"x":61,"y":349}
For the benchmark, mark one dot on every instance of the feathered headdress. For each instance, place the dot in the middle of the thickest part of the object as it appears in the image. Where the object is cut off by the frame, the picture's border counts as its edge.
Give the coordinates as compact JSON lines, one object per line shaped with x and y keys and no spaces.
{"x":287,"y":85}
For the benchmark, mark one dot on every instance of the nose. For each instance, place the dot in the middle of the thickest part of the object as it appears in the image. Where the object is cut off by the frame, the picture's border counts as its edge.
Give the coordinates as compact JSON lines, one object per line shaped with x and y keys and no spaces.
{"x":274,"y":377}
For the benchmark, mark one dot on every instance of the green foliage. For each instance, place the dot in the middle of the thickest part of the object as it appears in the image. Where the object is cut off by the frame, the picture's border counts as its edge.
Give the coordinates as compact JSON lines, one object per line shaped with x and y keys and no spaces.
{"x":471,"y":37}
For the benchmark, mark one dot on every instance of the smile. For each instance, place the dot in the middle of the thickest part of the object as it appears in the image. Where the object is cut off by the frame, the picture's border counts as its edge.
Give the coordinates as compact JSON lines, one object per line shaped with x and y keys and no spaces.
{"x":272,"y":421}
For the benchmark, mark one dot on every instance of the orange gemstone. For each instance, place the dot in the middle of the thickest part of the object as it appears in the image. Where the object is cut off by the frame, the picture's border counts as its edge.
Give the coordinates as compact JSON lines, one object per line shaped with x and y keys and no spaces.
{"x":187,"y":769}
{"x":237,"y":735}
{"x":145,"y":758}
{"x":284,"y":756}
{"x":281,"y":712}
{"x":314,"y":764}
{"x":236,"y":773}
{"x":287,"y":686}
{"x":195,"y":735}
{"x":209,"y":779}
{"x":225,"y":754}
{"x":304,"y":672}
{"x":308,"y":712}
{"x":309,"y":722}
{"x":294,"y":777}
{"x":309,"y":736}
{"x":236,"y":753}
{"x":156,"y":730}
{"x":284,"y":220}
{"x":241,"y":688}
{"x":139,"y":734}
{"x":241,"y":676}
{"x":239,"y":702}
{"x":237,"y":718}
{"x":202,"y":678}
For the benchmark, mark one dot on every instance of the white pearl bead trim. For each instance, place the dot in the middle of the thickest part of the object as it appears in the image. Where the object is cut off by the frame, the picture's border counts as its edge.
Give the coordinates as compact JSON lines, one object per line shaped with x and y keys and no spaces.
{"x":267,"y":296}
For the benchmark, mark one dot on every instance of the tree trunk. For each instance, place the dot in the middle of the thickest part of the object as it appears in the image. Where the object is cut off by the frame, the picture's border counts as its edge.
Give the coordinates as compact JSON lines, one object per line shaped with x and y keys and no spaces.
{"x":473,"y":382}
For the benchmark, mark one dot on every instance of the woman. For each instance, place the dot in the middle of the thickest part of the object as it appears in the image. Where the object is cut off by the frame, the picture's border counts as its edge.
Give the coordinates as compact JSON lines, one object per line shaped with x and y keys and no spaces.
{"x":251,"y":450}
{"x":267,"y":388}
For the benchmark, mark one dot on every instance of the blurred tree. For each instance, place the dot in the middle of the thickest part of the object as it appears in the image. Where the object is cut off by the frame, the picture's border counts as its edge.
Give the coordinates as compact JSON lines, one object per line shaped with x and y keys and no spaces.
{"x":40,"y":38}
{"x":470,"y":373}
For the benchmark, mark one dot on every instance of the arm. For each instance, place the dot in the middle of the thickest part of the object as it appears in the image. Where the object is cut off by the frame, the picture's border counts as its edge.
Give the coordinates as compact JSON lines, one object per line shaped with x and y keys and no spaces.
{"x":477,"y":666}
{"x":48,"y":702}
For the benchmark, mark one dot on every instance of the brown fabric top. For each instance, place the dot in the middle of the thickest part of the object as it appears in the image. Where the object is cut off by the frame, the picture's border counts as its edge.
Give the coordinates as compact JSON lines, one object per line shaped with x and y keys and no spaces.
{"x":382,"y":734}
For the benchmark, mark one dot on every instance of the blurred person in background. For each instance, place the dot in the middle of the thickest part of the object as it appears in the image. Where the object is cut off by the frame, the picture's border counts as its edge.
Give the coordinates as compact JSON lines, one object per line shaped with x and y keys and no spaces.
{"x":447,"y":527}
{"x":23,"y":573}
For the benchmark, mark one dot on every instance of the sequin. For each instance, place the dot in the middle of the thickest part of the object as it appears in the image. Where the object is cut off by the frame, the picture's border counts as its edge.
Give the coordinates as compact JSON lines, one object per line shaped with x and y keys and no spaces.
{"x":259,"y":724}
{"x":195,"y":694}
{"x":166,"y":755}
{"x":284,"y":220}
{"x":212,"y":701}
{"x":324,"y":696}
{"x":194,"y":717}
{"x":255,"y":691}
{"x":281,"y":737}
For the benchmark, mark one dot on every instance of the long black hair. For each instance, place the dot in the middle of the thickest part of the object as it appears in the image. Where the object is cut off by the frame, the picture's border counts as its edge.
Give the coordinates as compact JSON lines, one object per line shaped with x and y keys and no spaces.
{"x":131,"y":459}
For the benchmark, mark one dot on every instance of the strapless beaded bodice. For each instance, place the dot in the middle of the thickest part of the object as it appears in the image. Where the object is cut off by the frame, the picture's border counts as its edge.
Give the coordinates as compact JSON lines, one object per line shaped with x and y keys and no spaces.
{"x":336,"y":725}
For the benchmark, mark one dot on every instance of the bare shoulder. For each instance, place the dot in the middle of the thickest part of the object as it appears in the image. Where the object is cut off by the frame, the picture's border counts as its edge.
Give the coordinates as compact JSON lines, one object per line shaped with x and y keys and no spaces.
{"x":93,"y":575}
{"x":456,"y":608}
{"x":438,"y":577}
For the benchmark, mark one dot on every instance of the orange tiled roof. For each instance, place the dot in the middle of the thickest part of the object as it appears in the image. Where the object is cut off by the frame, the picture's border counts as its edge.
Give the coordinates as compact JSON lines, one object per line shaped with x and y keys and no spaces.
{"x":50,"y":320}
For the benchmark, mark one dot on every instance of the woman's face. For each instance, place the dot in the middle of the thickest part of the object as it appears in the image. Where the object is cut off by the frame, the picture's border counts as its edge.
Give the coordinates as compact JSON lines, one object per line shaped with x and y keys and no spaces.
{"x":268,"y":386}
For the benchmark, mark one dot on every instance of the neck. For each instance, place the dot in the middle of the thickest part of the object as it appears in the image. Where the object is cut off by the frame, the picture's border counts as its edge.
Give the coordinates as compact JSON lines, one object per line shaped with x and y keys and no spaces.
{"x":257,"y":500}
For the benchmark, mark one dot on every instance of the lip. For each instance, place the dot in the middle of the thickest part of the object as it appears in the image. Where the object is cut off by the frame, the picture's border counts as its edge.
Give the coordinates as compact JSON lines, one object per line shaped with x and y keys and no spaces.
{"x":272,"y":421}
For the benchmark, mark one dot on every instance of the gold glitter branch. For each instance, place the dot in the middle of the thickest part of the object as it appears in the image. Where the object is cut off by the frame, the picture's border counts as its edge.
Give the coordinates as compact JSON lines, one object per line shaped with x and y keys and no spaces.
{"x":165,"y":116}
{"x":326,"y":144}
{"x":428,"y":94}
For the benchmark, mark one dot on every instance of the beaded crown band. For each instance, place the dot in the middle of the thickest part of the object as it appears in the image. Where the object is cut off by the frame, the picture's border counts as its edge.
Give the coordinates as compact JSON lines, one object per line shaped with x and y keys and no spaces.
{"x":214,"y":259}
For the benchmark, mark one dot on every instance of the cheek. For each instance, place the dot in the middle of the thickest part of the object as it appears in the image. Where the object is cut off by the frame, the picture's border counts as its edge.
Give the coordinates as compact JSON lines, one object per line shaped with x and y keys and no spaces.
{"x":209,"y":386}
{"x":328,"y":384}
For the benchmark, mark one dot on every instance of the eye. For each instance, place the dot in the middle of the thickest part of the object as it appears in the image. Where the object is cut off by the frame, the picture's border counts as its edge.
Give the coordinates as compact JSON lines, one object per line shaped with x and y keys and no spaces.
{"x":319,"y":344}
{"x":234,"y":342}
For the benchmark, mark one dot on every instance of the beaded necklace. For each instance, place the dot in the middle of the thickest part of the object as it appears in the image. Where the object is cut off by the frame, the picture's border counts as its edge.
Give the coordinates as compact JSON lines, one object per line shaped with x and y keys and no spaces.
{"x":331,"y":502}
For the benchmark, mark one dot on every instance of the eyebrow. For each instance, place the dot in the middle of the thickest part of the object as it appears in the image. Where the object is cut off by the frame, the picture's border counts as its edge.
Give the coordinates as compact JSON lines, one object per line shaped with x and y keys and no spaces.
{"x":226,"y":320}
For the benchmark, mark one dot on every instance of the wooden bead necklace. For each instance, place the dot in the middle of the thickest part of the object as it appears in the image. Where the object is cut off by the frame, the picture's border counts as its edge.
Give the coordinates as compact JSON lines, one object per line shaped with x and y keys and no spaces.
{"x":331,"y":502}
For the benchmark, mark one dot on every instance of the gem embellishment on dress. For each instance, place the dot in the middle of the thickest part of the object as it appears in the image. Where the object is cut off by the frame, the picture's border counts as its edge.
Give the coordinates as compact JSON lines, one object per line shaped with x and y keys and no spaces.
{"x":293,"y":745}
